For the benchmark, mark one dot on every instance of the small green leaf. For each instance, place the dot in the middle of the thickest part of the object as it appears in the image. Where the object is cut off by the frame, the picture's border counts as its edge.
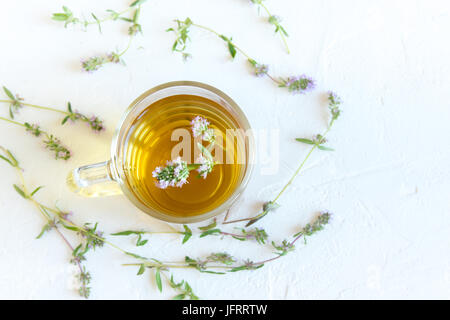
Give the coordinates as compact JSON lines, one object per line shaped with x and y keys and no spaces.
{"x":232,"y":49}
{"x":181,"y":296}
{"x":209,"y":226}
{"x":187,"y":234}
{"x":158,"y":279}
{"x":141,"y":269}
{"x":137,"y":3}
{"x":65,"y":120}
{"x":20,"y":191}
{"x":126,"y":233}
{"x":98,"y":22}
{"x":44,"y":229}
{"x":307,"y":141}
{"x":210,"y":232}
{"x":325,"y":148}
{"x":60,"y":17}
{"x":36,"y":190}
{"x":9,"y":94}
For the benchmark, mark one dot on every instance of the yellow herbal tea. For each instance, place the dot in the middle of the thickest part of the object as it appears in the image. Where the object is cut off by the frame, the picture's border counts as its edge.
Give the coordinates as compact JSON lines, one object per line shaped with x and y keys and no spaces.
{"x":150,"y":144}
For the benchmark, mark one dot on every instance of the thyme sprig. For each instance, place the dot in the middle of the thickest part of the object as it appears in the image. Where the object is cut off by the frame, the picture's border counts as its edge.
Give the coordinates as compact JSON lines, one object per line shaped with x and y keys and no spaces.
{"x":16,"y":102}
{"x":68,"y":18}
{"x":222,"y":262}
{"x":51,"y":142}
{"x":334,"y":103}
{"x":89,"y":236}
{"x":258,"y":235}
{"x":275,"y":21}
{"x":96,"y":62}
{"x":294,"y":84}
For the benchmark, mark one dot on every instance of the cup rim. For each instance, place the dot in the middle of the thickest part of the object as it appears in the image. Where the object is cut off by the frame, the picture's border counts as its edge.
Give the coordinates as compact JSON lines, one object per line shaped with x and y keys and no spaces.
{"x":117,"y":166}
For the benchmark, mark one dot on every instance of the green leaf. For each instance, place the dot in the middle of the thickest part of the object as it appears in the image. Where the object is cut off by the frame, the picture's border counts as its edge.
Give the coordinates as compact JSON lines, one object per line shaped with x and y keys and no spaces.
{"x":98,"y":22}
{"x":210,"y":232}
{"x":20,"y":191}
{"x":7,"y":160}
{"x":325,"y":148}
{"x":137,"y":3}
{"x":187,"y":234}
{"x":158,"y":279}
{"x":60,"y":17}
{"x":65,"y":120}
{"x":232,"y":49}
{"x":209,"y":226}
{"x":69,"y":107}
{"x":36,"y":190}
{"x":181,"y":296}
{"x":9,"y":94}
{"x":126,"y":233}
{"x":307,"y":141}
{"x":71,"y":228}
{"x":44,"y":229}
{"x":141,"y":269}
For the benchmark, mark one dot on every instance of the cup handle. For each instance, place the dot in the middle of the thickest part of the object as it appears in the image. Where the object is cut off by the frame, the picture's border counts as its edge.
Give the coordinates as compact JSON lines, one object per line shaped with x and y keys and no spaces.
{"x":94,"y":180}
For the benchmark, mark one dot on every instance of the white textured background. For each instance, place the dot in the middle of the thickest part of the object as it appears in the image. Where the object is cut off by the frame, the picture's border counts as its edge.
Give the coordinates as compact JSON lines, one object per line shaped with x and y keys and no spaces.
{"x":388,"y":182}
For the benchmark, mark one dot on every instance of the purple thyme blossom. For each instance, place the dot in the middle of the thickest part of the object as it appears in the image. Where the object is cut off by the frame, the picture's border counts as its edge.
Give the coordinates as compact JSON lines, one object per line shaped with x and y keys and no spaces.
{"x":298,"y":84}
{"x":200,"y":127}
{"x":261,"y":69}
{"x":334,"y":102}
{"x":174,"y":174}
{"x":206,"y":166}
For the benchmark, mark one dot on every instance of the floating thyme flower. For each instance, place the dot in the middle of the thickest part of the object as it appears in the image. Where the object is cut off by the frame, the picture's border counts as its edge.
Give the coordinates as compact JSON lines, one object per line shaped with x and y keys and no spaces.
{"x":334,"y":103}
{"x":206,"y":166}
{"x":200,"y":127}
{"x":294,"y":84}
{"x":300,"y":84}
{"x":174,"y":174}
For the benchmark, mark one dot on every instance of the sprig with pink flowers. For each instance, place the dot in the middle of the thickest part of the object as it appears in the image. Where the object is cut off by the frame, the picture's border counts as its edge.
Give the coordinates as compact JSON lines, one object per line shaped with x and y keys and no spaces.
{"x":294,"y":84}
{"x":176,"y":172}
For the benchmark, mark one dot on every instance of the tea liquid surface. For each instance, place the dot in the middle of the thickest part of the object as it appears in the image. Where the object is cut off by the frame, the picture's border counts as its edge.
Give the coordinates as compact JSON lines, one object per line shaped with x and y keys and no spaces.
{"x":149,"y":145}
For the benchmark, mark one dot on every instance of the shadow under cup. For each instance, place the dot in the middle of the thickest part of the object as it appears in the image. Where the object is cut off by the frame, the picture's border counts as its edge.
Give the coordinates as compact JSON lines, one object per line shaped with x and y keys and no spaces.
{"x":157,"y":128}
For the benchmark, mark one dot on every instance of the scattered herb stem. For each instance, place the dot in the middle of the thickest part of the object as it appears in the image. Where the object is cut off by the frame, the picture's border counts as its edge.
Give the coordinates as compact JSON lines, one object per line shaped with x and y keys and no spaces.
{"x":334,"y":103}
{"x":275,"y":21}
{"x":294,"y":84}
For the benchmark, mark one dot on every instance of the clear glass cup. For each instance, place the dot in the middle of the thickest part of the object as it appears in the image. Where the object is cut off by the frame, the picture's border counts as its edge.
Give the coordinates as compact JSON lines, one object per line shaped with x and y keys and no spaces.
{"x":108,"y":178}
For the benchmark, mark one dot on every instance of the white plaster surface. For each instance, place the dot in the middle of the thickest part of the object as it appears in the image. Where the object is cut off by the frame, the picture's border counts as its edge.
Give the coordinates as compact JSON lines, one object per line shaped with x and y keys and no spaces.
{"x":388,"y":182}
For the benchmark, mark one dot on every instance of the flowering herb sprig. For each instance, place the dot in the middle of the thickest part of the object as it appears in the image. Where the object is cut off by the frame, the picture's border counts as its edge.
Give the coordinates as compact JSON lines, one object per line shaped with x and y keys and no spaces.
{"x":96,"y":62}
{"x":334,"y":103}
{"x":89,"y":236}
{"x":222,"y":262}
{"x":294,"y":84}
{"x":68,"y":18}
{"x":16,"y":102}
{"x":176,"y":172}
{"x":50,"y":141}
{"x":259,"y":235}
{"x":273,"y":20}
